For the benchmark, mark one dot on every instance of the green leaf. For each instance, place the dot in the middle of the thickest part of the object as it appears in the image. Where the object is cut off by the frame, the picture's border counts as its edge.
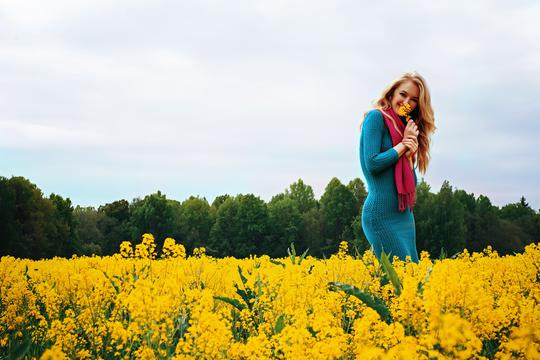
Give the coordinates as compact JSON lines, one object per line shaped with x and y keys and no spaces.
{"x":244,"y":294}
{"x":26,"y":276}
{"x":391,"y":273}
{"x":116,"y":288}
{"x":357,"y":254}
{"x":258,"y":284}
{"x":234,"y":302}
{"x":312,"y":331}
{"x":275,"y":262}
{"x":303,"y":256}
{"x":292,"y":253}
{"x":242,"y":277}
{"x":21,"y":348}
{"x":367,"y":298}
{"x":420,"y":288}
{"x":443,"y":254}
{"x":280,"y":324}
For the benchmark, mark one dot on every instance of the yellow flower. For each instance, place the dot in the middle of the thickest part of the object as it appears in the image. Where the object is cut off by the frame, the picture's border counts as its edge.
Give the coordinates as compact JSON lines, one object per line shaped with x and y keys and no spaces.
{"x":173,"y":250}
{"x":134,"y":305}
{"x":343,"y":250}
{"x":199,"y":252}
{"x":405,"y":110}
{"x":126,"y":250}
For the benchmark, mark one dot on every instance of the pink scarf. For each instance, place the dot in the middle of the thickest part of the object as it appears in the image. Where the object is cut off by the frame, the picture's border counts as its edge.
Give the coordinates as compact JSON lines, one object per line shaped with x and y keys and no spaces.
{"x":403,"y":173}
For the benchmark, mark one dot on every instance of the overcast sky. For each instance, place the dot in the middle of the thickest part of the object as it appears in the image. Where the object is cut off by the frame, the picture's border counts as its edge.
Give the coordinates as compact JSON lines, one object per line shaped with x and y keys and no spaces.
{"x":104,"y":100}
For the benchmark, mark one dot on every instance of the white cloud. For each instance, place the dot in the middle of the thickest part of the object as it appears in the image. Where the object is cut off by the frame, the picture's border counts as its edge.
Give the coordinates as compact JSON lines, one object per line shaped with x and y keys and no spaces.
{"x":36,"y":136}
{"x":37,"y":14}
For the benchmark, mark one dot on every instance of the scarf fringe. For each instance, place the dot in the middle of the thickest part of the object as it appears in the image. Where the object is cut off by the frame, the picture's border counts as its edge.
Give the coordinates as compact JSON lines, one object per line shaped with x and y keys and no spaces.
{"x":406,"y":200}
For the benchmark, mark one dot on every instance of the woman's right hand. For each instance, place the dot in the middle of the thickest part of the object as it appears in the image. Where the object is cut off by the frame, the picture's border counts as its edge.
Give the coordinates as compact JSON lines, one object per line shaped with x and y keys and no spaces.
{"x":411,"y":130}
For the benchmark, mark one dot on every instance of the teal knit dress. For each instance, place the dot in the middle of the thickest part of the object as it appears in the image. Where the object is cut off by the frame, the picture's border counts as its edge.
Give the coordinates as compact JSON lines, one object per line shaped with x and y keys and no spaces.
{"x":385,"y":227}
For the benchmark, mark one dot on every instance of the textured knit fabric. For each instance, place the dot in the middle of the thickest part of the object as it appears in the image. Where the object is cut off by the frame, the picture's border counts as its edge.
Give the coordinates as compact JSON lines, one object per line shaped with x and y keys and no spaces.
{"x":385,"y":227}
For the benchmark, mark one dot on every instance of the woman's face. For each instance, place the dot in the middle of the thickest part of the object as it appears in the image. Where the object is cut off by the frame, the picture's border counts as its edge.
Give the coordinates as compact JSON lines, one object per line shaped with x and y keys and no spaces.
{"x":406,"y":93}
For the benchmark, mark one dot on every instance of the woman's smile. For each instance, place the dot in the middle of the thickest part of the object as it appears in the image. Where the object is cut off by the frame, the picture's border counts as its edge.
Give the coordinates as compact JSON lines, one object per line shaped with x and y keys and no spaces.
{"x":407,"y":93}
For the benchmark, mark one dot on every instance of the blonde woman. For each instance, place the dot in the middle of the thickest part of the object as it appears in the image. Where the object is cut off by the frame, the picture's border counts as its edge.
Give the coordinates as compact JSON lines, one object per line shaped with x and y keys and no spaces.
{"x":395,"y":141}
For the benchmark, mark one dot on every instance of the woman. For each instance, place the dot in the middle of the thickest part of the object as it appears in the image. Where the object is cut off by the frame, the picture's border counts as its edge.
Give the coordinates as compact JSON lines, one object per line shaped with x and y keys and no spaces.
{"x":392,"y":146}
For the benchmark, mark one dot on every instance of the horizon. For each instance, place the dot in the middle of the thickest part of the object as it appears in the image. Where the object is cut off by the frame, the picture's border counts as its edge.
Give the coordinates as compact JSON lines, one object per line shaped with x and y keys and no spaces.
{"x":210,"y":200}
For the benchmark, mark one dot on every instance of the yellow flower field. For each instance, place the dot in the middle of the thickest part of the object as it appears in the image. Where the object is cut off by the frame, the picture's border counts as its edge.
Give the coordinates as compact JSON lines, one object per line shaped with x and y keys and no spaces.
{"x":137,"y":304}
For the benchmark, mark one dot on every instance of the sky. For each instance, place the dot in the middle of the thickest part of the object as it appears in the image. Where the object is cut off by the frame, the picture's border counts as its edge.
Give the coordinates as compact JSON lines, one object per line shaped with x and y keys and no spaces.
{"x":105,"y":100}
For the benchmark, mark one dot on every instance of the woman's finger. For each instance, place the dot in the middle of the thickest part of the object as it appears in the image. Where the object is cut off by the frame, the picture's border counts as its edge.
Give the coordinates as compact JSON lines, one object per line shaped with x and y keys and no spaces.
{"x":410,"y":145}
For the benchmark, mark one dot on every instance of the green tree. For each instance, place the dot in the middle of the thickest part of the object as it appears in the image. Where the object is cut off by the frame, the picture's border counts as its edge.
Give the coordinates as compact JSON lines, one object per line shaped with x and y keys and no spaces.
{"x":487,"y":225}
{"x":225,"y":229}
{"x":31,"y":225}
{"x":114,"y":225}
{"x":423,"y":211}
{"x":517,"y":211}
{"x":359,"y":241}
{"x":220,"y":200}
{"x":312,"y":232}
{"x":87,"y":230}
{"x":358,"y":189}
{"x":279,"y":197}
{"x":285,"y":222}
{"x":303,"y":195}
{"x":253,"y":225}
{"x":195,"y":222}
{"x":338,"y":207}
{"x":469,"y":206}
{"x":524,"y":218}
{"x":449,"y":222}
{"x":9,"y":229}
{"x":155,"y":214}
{"x":65,"y":242}
{"x":241,"y":227}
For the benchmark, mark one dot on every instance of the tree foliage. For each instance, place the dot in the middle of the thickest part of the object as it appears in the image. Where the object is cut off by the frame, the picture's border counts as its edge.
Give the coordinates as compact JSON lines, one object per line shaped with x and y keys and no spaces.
{"x":35,"y":226}
{"x":338,"y":207}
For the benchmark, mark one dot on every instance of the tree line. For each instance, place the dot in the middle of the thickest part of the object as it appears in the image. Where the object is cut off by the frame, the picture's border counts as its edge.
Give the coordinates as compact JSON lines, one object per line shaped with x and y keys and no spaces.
{"x":34,"y":226}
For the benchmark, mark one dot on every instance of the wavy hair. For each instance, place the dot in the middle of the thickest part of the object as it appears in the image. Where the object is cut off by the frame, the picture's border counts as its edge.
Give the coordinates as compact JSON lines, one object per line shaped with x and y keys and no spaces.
{"x":422,"y":114}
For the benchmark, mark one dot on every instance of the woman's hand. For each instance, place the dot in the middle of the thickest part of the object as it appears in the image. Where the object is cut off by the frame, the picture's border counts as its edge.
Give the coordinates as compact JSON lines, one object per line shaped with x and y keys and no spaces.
{"x":411,"y":130}
{"x":410,"y":139}
{"x":411,"y":144}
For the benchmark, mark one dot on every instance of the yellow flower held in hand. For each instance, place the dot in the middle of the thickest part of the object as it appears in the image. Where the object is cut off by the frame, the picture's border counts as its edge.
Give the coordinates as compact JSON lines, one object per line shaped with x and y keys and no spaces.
{"x":405,"y":110}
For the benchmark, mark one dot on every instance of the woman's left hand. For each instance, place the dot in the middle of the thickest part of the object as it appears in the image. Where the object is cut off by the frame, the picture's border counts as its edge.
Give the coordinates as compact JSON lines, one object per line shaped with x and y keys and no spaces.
{"x":411,"y":144}
{"x":411,"y":130}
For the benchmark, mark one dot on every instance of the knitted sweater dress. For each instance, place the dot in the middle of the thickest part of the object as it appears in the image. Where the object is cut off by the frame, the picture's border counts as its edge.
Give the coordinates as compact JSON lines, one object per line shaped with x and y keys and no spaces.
{"x":385,"y":227}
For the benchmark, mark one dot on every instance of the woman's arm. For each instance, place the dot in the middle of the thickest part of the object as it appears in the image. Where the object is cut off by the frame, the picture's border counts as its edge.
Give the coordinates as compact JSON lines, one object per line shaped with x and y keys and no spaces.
{"x":373,"y":130}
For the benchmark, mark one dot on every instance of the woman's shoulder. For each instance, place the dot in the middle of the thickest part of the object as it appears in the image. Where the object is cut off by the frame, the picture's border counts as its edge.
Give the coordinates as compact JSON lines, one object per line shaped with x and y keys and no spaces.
{"x":373,"y":116}
{"x":374,"y":112}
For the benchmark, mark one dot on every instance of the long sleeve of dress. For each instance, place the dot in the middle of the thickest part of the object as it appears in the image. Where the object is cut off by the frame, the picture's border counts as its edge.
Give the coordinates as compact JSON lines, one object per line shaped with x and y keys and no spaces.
{"x":372,"y":132}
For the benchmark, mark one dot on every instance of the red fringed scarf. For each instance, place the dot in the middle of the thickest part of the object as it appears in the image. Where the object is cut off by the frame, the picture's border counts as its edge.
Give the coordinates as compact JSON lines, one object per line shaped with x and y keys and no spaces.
{"x":403,"y":173}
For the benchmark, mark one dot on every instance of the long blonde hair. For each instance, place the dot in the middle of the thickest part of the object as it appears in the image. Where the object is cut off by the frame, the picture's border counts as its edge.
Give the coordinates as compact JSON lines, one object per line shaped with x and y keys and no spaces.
{"x":422,"y":114}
